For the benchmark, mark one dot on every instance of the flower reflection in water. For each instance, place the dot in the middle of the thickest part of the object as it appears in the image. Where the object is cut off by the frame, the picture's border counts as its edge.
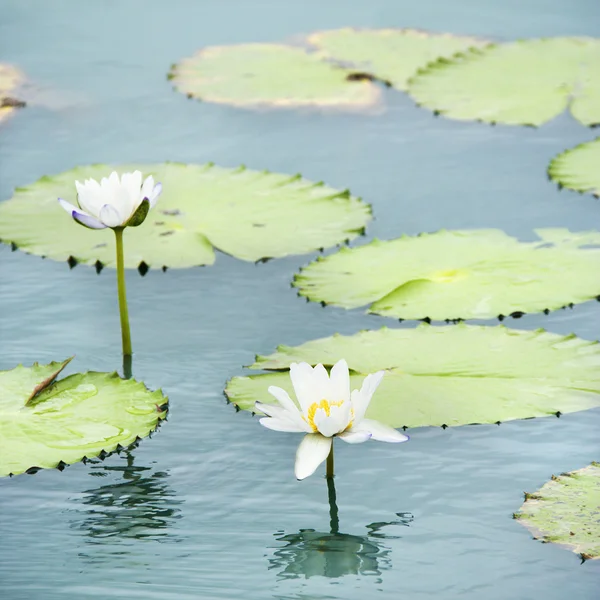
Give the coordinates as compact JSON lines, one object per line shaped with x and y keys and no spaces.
{"x":311,"y":553}
{"x":142,"y":506}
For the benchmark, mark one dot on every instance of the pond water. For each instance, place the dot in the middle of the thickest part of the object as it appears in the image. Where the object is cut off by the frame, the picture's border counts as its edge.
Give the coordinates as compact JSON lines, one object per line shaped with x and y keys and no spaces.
{"x":209,"y":507}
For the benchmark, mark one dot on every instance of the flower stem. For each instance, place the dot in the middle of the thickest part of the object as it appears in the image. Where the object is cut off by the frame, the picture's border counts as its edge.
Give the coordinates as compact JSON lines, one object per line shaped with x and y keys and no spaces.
{"x":127,"y":364}
{"x":125,"y":334}
{"x":329,"y":473}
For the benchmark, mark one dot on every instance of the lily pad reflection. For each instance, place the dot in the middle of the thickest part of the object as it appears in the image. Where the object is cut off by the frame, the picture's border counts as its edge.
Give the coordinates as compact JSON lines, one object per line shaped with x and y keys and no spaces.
{"x":140,"y":506}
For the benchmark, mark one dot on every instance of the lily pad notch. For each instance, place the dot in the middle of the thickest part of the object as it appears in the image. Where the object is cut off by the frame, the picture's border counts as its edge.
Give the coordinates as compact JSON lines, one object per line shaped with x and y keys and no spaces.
{"x":250,"y":215}
{"x":566,"y":511}
{"x":47,"y":423}
{"x":446,"y":376}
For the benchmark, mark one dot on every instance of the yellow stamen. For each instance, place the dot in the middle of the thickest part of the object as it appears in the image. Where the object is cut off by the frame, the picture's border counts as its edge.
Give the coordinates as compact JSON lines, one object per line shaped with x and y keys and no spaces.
{"x":312,"y":410}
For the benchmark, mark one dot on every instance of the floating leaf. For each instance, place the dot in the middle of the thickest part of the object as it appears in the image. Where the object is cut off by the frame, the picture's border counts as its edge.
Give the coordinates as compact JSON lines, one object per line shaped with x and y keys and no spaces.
{"x":255,"y":75}
{"x":80,"y":416}
{"x":476,"y":274}
{"x":251,"y":215}
{"x":527,"y":82}
{"x":578,"y":168}
{"x":450,"y":375}
{"x":566,"y":511}
{"x":392,"y":55}
{"x":10,"y":78}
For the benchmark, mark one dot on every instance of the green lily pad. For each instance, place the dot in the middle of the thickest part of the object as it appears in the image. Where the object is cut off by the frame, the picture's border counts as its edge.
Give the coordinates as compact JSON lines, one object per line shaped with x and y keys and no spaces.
{"x":527,"y":82}
{"x":273,"y":75}
{"x":391,"y":55}
{"x":450,"y":375}
{"x":251,"y":215}
{"x":566,"y":511}
{"x":476,"y":274}
{"x":578,"y":168}
{"x":10,"y":79}
{"x":46,"y":423}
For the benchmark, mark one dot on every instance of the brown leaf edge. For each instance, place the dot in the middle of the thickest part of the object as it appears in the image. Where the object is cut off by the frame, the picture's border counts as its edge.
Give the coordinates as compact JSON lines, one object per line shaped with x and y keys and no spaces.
{"x":40,"y":387}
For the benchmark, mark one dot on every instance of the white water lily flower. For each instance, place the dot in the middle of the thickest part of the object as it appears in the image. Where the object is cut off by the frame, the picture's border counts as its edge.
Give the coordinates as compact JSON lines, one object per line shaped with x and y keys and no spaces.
{"x":327,"y":410}
{"x":114,"y":202}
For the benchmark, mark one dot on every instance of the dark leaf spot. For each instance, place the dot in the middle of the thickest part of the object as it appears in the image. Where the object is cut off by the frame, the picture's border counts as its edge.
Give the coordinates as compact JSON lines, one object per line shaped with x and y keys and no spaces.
{"x":143,"y":268}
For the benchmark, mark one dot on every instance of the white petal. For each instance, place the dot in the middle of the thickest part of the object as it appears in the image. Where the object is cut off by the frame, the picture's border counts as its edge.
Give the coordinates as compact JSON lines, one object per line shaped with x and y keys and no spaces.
{"x":124,"y":202}
{"x":133,"y":189}
{"x":147,"y":188}
{"x":87,"y":220}
{"x":279,"y":425}
{"x":271,"y":410}
{"x":381,"y":432}
{"x":302,"y":380}
{"x":328,"y":426}
{"x":321,"y":381}
{"x":288,"y":404}
{"x":110,"y":216}
{"x":339,"y":381}
{"x":312,"y":451}
{"x":90,"y":201}
{"x":135,"y":183}
{"x":283,"y":398}
{"x":90,"y":197}
{"x":68,"y":206}
{"x":337,"y":421}
{"x":354,"y":437}
{"x":155,"y":194}
{"x":360,"y":400}
{"x":81,"y":216}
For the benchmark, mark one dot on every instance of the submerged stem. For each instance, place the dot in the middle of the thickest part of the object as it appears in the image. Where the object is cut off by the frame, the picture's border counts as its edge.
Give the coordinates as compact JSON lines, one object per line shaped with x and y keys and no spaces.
{"x":125,"y":333}
{"x":329,"y":473}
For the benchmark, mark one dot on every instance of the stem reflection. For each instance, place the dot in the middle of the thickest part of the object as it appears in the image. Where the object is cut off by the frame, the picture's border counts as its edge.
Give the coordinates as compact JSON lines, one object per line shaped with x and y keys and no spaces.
{"x":334,"y":520}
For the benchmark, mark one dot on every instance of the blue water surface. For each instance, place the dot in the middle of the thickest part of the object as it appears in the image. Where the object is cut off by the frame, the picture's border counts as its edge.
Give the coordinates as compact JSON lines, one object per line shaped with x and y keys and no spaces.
{"x":209,"y":508}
